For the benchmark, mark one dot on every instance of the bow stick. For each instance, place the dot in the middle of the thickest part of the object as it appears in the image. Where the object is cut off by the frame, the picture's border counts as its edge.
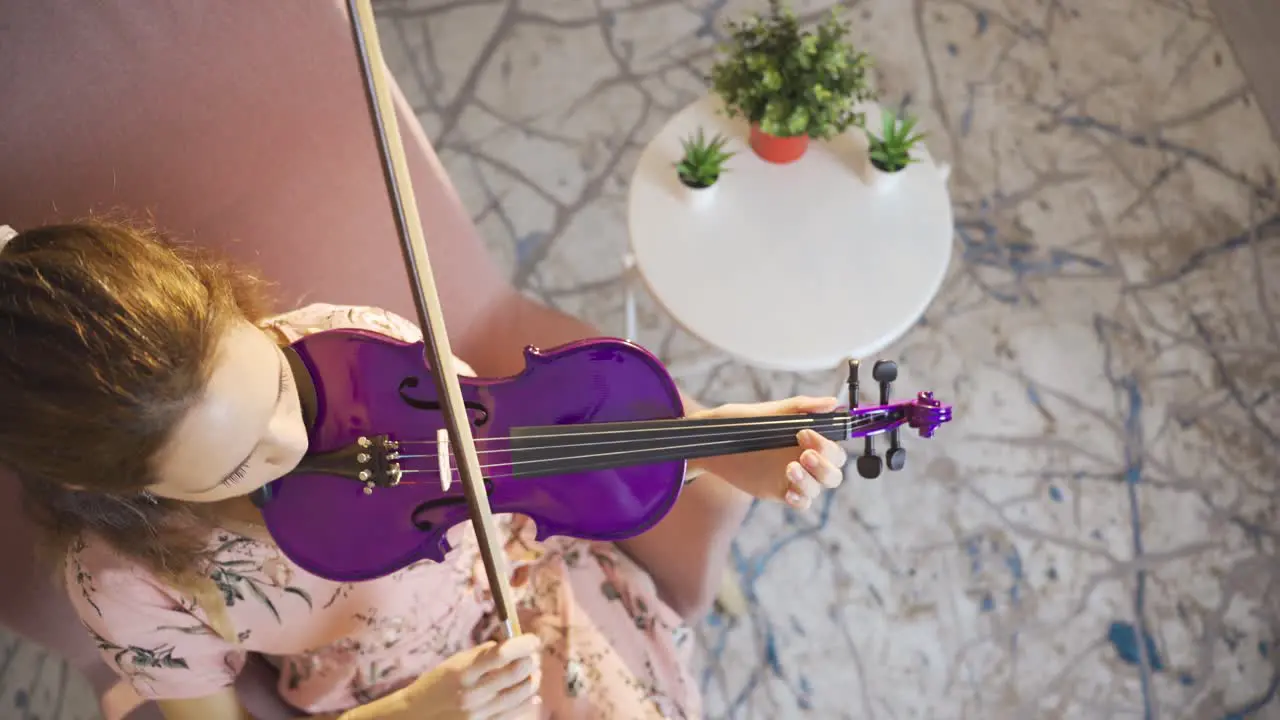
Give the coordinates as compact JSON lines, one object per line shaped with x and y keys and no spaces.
{"x":438,"y":353}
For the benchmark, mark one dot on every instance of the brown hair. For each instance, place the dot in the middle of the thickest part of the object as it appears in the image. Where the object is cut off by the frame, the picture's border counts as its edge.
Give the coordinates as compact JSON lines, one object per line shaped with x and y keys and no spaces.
{"x":107,"y":334}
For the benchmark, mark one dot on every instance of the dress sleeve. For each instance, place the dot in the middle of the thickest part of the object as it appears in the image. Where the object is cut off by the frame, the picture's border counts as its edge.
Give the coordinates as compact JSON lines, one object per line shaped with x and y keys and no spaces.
{"x":152,"y":637}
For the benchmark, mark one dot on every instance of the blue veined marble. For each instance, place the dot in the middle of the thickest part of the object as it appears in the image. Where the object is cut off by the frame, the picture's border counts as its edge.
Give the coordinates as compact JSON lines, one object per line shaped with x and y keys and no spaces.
{"x":37,"y":686}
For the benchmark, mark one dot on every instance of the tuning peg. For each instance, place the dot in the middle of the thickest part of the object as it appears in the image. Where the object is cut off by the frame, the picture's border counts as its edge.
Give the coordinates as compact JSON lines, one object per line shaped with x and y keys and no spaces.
{"x":895,"y":458}
{"x":868,"y":462}
{"x":885,"y":372}
{"x":853,"y":383}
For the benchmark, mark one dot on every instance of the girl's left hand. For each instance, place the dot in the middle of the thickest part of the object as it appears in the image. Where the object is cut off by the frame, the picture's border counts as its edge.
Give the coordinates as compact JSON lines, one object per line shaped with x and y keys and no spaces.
{"x":794,"y":475}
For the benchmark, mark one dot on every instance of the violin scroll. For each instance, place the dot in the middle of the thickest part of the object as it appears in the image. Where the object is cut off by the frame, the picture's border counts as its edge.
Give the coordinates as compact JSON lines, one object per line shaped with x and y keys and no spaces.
{"x":927,"y":413}
{"x":924,"y":414}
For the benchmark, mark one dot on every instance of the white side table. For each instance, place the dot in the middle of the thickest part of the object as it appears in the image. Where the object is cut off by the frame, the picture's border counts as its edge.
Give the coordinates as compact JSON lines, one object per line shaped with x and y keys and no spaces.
{"x":792,"y":267}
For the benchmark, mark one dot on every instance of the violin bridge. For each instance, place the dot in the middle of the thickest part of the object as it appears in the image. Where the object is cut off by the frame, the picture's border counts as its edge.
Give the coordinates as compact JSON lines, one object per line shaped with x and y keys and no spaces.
{"x":442,"y":459}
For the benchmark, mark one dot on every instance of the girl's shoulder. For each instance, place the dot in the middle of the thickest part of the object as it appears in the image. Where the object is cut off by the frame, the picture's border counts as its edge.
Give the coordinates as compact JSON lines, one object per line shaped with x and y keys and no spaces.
{"x":92,"y":566}
{"x":318,"y":317}
{"x":161,"y":640}
{"x":96,"y":575}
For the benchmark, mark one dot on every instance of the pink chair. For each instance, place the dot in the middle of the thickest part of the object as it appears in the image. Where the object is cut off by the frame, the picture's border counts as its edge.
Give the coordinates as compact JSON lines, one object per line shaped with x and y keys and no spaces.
{"x":242,"y":125}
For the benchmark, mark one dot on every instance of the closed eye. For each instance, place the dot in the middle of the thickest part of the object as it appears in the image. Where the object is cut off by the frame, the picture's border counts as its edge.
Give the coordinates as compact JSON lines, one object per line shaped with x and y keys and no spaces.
{"x":239,"y":473}
{"x":236,"y":475}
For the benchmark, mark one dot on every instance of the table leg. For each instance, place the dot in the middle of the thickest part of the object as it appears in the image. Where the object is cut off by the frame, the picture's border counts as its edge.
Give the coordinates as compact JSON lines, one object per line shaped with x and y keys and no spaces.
{"x":631,"y":326}
{"x":694,"y":367}
{"x":730,"y":600}
{"x":629,"y":295}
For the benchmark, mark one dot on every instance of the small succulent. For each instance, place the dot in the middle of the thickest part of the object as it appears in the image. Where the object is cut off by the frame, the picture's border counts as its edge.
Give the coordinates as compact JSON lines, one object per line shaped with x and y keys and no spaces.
{"x":891,"y":151}
{"x":703,"y":160}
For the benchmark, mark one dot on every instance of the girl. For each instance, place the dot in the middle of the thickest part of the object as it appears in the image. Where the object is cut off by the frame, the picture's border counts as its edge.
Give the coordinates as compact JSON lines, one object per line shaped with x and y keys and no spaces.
{"x":146,"y":397}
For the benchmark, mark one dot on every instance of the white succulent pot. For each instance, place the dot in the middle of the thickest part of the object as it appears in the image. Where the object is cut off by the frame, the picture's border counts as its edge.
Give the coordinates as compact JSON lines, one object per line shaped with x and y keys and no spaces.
{"x":883,"y":181}
{"x":700,"y":196}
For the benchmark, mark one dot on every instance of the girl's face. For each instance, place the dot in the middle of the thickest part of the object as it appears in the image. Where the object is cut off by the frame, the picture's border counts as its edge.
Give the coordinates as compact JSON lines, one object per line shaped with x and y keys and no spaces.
{"x":245,"y":431}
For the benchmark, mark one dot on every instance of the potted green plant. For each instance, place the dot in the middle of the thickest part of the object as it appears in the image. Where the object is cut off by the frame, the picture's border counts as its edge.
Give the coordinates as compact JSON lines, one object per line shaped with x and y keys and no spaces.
{"x":791,"y":84}
{"x":890,"y":151}
{"x":703,"y":162}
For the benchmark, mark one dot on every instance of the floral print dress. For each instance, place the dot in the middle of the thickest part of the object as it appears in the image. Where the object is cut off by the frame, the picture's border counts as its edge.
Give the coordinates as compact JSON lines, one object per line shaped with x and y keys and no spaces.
{"x":612,"y":648}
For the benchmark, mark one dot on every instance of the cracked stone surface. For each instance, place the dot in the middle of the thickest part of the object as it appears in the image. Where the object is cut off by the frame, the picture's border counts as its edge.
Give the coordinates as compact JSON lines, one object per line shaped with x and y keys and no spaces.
{"x":1095,"y":535}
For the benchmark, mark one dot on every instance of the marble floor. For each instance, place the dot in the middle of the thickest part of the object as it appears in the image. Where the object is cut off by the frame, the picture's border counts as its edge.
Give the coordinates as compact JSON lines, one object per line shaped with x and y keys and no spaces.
{"x":1095,"y":535}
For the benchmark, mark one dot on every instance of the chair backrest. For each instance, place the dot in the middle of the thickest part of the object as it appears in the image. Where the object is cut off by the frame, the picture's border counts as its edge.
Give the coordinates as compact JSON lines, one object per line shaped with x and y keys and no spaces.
{"x":33,"y":604}
{"x":241,"y":125}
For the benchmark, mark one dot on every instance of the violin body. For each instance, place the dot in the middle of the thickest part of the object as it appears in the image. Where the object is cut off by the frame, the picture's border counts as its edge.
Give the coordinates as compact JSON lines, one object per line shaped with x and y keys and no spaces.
{"x":367,"y":385}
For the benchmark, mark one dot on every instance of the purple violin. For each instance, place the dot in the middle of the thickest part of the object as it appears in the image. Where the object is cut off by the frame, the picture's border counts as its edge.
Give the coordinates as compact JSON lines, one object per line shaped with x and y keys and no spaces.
{"x":589,"y":441}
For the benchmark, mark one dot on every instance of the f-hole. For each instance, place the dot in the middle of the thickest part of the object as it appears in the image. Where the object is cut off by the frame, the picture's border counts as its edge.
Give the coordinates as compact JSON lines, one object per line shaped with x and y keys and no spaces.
{"x":411,"y":383}
{"x":422,"y":513}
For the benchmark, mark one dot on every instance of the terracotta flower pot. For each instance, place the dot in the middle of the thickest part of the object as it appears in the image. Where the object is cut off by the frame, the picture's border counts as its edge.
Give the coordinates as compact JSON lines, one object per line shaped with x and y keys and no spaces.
{"x":780,"y":150}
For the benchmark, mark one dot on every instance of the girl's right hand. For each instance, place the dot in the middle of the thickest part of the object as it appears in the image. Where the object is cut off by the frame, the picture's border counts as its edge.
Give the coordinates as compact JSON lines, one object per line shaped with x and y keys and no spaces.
{"x":488,"y":682}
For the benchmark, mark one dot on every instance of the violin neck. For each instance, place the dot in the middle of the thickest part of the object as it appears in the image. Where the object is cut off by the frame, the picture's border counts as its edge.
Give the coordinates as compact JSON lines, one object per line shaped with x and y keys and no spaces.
{"x":557,"y":449}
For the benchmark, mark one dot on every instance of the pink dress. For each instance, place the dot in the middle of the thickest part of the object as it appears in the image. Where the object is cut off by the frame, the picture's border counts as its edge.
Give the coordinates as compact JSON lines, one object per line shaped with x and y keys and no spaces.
{"x":612,"y":649}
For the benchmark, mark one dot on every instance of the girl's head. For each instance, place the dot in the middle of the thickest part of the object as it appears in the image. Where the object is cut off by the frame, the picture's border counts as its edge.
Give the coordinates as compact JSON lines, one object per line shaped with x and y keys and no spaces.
{"x":137,"y":388}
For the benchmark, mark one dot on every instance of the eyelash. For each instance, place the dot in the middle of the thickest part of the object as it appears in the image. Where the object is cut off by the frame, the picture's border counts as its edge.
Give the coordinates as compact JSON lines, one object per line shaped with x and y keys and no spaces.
{"x":238,"y":474}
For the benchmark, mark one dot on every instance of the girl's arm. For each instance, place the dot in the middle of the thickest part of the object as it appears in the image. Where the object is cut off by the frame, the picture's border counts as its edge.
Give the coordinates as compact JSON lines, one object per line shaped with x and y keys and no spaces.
{"x":489,"y":680}
{"x":225,"y":705}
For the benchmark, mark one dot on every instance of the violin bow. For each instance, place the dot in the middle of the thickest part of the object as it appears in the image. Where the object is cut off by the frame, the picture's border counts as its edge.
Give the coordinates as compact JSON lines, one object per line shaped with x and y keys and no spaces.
{"x":439,"y":356}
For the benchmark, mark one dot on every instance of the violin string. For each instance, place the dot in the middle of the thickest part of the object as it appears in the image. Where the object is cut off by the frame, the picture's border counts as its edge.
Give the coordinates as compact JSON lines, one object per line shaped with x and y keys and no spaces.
{"x":798,"y":423}
{"x":589,"y":456}
{"x":733,"y":436}
{"x":841,"y":423}
{"x":512,"y":465}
